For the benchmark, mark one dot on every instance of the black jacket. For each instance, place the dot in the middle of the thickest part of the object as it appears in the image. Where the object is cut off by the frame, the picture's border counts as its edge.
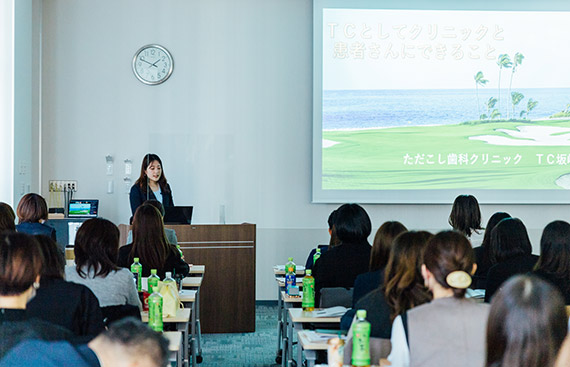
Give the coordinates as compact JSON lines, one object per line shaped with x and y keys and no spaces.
{"x":502,"y":271}
{"x":173,"y":263}
{"x":340,"y":266}
{"x":70,"y":305}
{"x":138,"y":196}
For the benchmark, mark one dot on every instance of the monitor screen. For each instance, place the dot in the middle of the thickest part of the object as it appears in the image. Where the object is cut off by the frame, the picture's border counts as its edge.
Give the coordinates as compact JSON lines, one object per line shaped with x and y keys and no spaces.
{"x":83,"y":208}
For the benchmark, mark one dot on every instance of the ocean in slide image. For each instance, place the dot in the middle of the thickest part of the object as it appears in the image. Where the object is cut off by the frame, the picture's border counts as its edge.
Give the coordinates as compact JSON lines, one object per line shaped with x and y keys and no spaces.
{"x":362,"y":109}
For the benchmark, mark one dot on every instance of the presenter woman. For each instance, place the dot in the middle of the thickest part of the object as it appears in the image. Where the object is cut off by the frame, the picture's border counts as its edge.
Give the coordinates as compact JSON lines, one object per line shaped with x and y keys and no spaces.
{"x":151,"y":184}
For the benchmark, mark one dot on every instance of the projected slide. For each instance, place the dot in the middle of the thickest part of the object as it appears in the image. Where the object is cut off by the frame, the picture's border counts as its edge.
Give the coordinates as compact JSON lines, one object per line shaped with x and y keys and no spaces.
{"x":445,"y":100}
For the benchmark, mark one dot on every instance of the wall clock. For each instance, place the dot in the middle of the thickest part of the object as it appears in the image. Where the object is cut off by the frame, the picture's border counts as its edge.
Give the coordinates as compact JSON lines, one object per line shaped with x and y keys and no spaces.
{"x":152,"y":64}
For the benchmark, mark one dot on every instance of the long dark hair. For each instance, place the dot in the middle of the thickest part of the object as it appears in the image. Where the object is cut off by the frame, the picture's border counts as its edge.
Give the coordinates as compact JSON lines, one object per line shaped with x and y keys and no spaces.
{"x":54,"y":258}
{"x":446,"y":252}
{"x":527,"y":324}
{"x":465,"y":215}
{"x":403,"y":283}
{"x":96,"y":247}
{"x":509,"y":239}
{"x":352,"y":224}
{"x":382,"y":245}
{"x":149,"y":240}
{"x":142,"y":181}
{"x":555,"y":251}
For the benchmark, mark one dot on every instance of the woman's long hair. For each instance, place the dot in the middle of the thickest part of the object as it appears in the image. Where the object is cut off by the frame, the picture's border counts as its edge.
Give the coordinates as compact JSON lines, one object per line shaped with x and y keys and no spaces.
{"x":382,"y":245}
{"x":142,"y":181}
{"x":149,"y":240}
{"x":403,"y":282}
{"x":527,"y":324}
{"x":555,"y":251}
{"x":96,"y":248}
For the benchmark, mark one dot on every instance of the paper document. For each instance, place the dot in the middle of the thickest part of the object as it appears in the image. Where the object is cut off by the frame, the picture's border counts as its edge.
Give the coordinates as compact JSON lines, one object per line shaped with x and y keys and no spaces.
{"x":336,"y":311}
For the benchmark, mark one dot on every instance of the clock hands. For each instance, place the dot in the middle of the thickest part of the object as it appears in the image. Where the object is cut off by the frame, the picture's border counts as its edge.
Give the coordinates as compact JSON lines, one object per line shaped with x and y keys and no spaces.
{"x":151,"y":64}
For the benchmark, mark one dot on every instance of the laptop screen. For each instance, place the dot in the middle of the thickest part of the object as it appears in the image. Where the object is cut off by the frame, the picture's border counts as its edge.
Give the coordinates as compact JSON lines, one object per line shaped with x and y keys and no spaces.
{"x":83,"y":208}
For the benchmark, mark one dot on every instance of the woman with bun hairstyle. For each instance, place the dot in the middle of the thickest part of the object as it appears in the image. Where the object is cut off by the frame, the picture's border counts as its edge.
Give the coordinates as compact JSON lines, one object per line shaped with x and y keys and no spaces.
{"x":527,"y":324}
{"x":465,"y":216}
{"x":151,"y":184}
{"x":554,"y":262}
{"x":450,"y":330}
{"x":32,"y":212}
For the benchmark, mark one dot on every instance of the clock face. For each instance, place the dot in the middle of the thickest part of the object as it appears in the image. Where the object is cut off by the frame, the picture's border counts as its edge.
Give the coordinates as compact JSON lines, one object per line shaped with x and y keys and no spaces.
{"x":152,"y":64}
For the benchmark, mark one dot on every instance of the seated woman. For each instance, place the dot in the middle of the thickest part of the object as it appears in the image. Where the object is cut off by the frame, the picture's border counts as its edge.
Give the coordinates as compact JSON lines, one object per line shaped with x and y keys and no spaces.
{"x":32,"y":213}
{"x":151,"y":247}
{"x":465,"y":217}
{"x":96,"y":252}
{"x":333,"y":241}
{"x":340,"y":265}
{"x":403,"y":286}
{"x":70,"y":305}
{"x":450,"y":330}
{"x":170,"y":233}
{"x":20,"y":265}
{"x":527,"y":324}
{"x":483,"y":252}
{"x":511,"y":254}
{"x":554,"y":262}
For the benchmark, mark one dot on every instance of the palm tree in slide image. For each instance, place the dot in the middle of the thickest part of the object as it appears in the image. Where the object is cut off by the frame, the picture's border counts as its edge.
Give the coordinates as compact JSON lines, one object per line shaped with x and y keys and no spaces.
{"x":516,"y":97}
{"x":517,"y":60}
{"x":479,"y":81}
{"x":503,"y":61}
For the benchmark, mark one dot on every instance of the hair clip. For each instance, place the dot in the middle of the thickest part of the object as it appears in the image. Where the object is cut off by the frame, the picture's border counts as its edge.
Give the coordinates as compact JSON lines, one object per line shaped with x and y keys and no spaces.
{"x":458,"y":279}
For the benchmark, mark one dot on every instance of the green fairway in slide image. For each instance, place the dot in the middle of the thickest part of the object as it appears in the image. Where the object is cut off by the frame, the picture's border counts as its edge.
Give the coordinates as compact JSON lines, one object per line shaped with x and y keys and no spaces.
{"x":481,"y":155}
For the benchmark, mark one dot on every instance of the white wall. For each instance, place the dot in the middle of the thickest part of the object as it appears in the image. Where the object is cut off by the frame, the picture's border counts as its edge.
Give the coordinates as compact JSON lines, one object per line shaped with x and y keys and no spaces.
{"x":7,"y":99}
{"x":232,"y":124}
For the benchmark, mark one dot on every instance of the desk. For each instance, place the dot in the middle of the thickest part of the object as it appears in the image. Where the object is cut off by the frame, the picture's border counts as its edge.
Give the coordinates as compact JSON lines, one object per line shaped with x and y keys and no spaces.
{"x":192,"y":282}
{"x":282,"y":314}
{"x":309,"y":347}
{"x":181,"y":321}
{"x":174,"y":342}
{"x":297,"y":317}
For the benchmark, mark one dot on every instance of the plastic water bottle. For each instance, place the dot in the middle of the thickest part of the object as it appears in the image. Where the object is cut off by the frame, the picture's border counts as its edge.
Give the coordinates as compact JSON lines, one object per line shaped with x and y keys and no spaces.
{"x":316,"y":256}
{"x":155,"y":310}
{"x":290,"y":274}
{"x":153,"y":280}
{"x":136,"y":269}
{"x":308,"y":292}
{"x":169,"y":280}
{"x":361,"y":340}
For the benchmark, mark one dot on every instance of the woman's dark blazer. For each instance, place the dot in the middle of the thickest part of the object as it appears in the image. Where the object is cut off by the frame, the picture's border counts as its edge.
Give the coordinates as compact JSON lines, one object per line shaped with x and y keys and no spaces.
{"x":138,"y":196}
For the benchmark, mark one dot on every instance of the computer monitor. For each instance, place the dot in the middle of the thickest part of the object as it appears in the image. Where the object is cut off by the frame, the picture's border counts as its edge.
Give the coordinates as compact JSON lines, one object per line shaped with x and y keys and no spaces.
{"x":178,"y":214}
{"x":83,"y":208}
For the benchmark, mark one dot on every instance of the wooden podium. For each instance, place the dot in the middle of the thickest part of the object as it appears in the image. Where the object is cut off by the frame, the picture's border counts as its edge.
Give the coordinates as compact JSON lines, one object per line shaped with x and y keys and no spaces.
{"x":227,"y":295}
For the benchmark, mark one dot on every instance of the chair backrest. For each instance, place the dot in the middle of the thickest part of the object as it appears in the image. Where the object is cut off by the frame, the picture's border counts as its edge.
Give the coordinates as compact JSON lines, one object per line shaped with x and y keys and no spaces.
{"x":336,"y":296}
{"x":115,"y":313}
{"x":379,"y":349}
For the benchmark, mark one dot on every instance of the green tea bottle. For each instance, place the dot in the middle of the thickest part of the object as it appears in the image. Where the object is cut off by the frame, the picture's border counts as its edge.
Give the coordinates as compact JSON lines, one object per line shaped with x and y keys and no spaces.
{"x":308,"y":292}
{"x":316,"y":256}
{"x":155,"y":310}
{"x":361,"y":340}
{"x":136,"y":269}
{"x":153,"y":280}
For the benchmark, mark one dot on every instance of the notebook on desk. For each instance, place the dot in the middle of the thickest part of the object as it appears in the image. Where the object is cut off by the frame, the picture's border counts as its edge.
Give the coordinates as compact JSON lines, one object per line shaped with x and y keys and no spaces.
{"x":178,"y":214}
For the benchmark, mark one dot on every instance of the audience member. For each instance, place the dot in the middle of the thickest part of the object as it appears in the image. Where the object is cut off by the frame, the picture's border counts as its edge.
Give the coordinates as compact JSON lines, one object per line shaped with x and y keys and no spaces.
{"x":554,"y":262}
{"x":527,"y":324}
{"x":7,"y":218}
{"x":151,"y":246}
{"x":127,"y":343}
{"x":169,"y":232}
{"x":70,"y":305}
{"x":20,"y":266}
{"x":96,"y":252}
{"x":403,"y":287}
{"x":32,"y":213}
{"x":333,"y":241}
{"x":511,"y":254}
{"x":340,"y":265}
{"x":379,"y":255}
{"x":465,"y":216}
{"x":483,"y":252}
{"x":450,"y":330}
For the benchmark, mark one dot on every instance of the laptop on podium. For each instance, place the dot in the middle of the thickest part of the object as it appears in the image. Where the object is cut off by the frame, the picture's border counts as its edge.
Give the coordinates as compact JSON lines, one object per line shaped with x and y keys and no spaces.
{"x":178,"y":214}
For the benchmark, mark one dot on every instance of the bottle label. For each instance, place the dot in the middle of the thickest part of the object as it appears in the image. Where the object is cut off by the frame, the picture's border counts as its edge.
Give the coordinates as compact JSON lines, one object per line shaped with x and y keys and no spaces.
{"x":308,"y":292}
{"x":290,"y":280}
{"x":361,"y":344}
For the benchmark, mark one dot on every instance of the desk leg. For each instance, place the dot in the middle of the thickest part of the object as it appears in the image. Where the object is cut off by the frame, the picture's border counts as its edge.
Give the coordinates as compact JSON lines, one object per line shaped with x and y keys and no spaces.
{"x":193,"y":341}
{"x":198,"y":327}
{"x":299,"y":351}
{"x":179,"y":358}
{"x":286,"y":345}
{"x":290,"y":326}
{"x":183,"y":327}
{"x":279,"y":322}
{"x":310,"y":356}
